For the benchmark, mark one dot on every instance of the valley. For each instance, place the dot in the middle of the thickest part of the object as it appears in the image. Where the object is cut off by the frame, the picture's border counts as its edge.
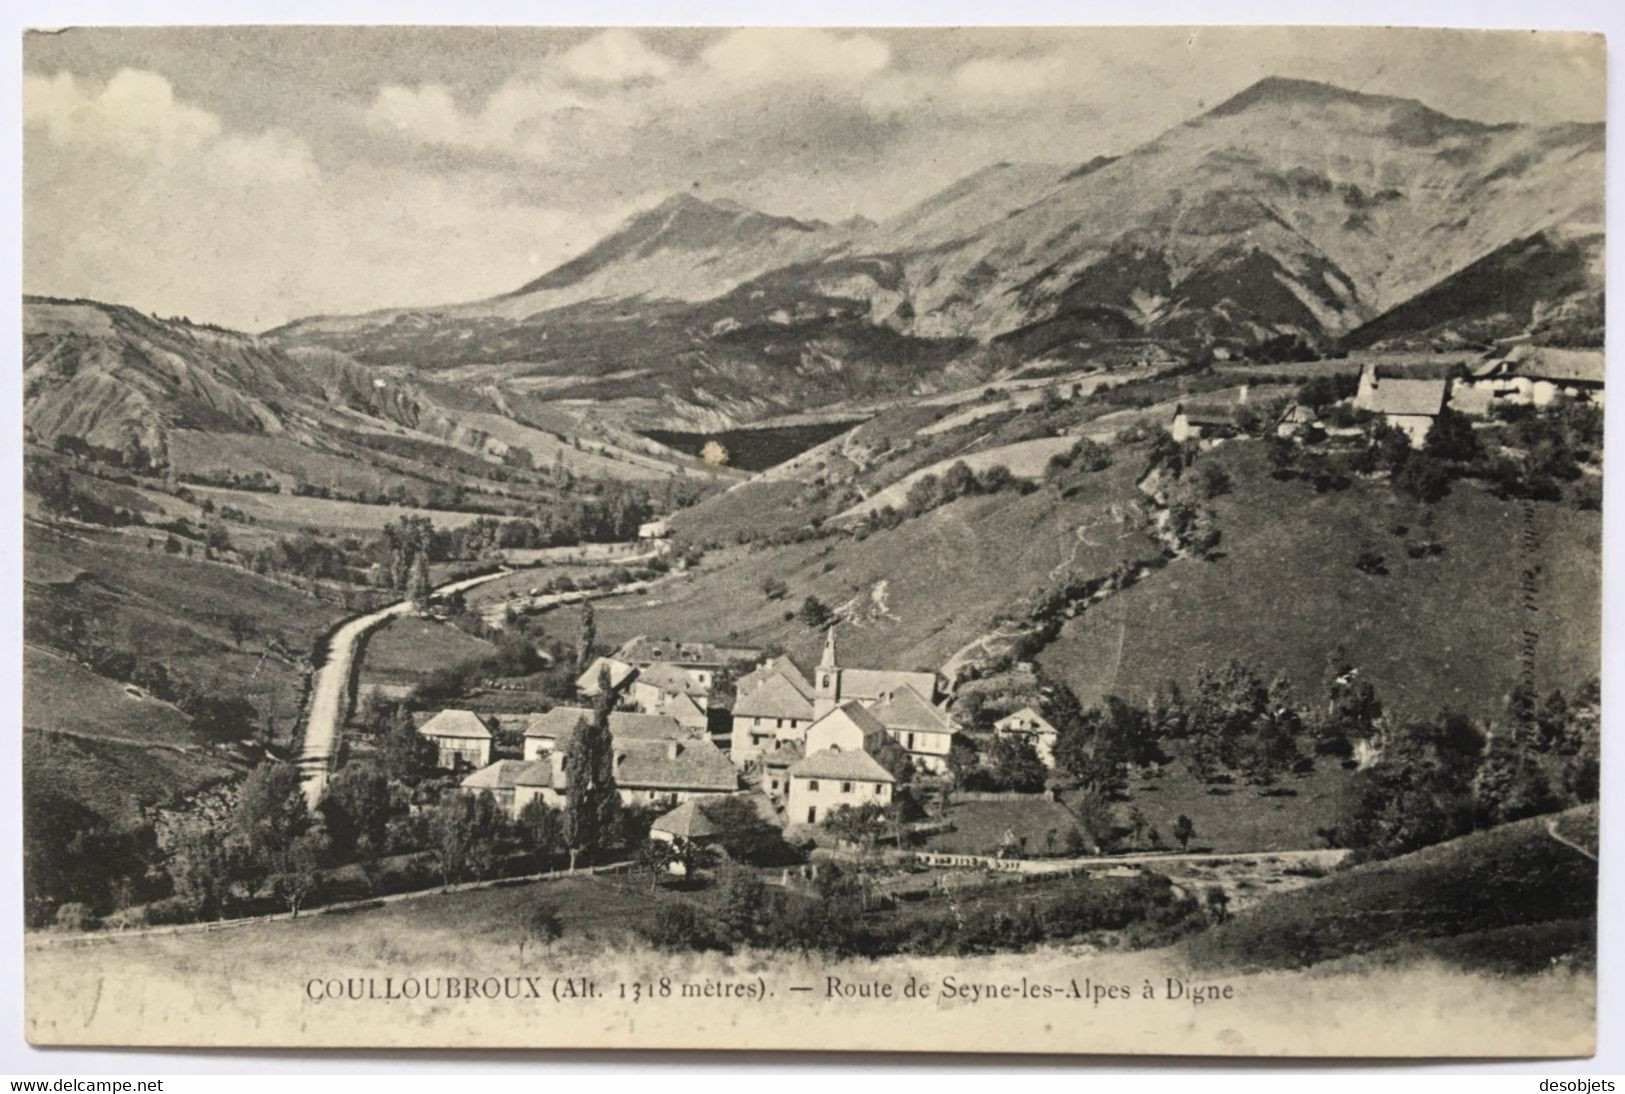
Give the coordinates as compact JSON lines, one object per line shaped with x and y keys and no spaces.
{"x":1209,"y":535}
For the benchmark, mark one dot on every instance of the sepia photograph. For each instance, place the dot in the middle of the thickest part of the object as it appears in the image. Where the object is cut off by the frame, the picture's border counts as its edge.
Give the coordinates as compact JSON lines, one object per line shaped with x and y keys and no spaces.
{"x":1063,"y":540}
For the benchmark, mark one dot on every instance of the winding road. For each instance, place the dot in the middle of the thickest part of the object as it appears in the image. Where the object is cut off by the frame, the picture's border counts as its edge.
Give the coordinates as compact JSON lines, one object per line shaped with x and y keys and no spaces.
{"x":331,"y":690}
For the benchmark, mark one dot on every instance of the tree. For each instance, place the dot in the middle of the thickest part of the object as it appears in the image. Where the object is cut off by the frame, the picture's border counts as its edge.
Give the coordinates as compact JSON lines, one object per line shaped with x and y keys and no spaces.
{"x":538,"y":827}
{"x":271,"y":813}
{"x":591,"y":800}
{"x":539,"y":923}
{"x":1184,"y":832}
{"x":656,"y":857}
{"x":715,"y":453}
{"x":356,"y":807}
{"x":217,"y":719}
{"x":1137,"y":822}
{"x":859,"y":825}
{"x":744,"y":835}
{"x":586,"y":636}
{"x":774,"y":588}
{"x":419,"y":587}
{"x":1016,"y":764}
{"x":1511,"y":783}
{"x":1218,"y":903}
{"x":200,"y":867}
{"x":297,"y":876}
{"x":452,"y":835}
{"x":815,"y":614}
{"x":1451,"y":437}
{"x":240,"y":626}
{"x":1423,"y":477}
{"x":404,"y":753}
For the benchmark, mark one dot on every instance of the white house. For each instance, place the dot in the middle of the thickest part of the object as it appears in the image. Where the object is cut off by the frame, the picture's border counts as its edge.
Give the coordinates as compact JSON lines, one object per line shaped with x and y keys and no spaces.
{"x":462,"y":737}
{"x":1032,"y":726}
{"x":924,"y":729}
{"x":654,"y":529}
{"x":772,"y":703}
{"x":1537,"y":375}
{"x":498,"y":780}
{"x":825,"y":780}
{"x":1409,"y":405}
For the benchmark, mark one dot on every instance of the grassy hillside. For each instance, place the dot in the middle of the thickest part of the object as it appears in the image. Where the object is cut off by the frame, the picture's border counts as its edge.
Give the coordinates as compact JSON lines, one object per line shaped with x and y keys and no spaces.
{"x":909,"y":596}
{"x":114,"y":748}
{"x":1432,"y":632}
{"x":1512,"y":898}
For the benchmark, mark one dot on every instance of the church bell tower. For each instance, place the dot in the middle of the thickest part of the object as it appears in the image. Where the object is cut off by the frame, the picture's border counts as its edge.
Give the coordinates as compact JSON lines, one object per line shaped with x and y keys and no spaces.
{"x":827,"y":685}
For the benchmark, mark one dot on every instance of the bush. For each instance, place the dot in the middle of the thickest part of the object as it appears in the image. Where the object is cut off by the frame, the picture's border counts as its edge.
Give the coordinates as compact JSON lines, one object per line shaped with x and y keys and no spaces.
{"x":681,"y":927}
{"x":127,"y":919}
{"x":169,"y":910}
{"x":75,"y":917}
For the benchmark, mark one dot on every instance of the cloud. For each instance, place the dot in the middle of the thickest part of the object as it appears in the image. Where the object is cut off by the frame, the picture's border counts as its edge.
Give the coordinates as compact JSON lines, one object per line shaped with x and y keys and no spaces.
{"x":763,"y":55}
{"x":136,"y":197}
{"x":616,"y":56}
{"x":134,"y":113}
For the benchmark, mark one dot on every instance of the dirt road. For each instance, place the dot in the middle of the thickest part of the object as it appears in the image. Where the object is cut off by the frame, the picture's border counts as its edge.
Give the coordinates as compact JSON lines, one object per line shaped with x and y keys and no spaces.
{"x":331,"y":690}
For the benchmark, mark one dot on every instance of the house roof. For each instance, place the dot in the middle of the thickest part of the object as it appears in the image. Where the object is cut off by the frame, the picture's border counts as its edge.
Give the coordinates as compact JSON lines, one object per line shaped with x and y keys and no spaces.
{"x":686,"y":710}
{"x":694,"y":765}
{"x":619,"y":673}
{"x":1570,"y":366}
{"x":871,"y":684}
{"x":1415,"y":397}
{"x":642,"y":650}
{"x":1021,"y":718}
{"x":502,"y":775}
{"x":831,"y":763}
{"x":778,"y":666}
{"x":1208,"y":413}
{"x":670,"y":677}
{"x":456,"y":723}
{"x":906,"y":709}
{"x":560,"y":722}
{"x":687,"y":820}
{"x":856,"y":713}
{"x":776,"y":697}
{"x":674,"y":765}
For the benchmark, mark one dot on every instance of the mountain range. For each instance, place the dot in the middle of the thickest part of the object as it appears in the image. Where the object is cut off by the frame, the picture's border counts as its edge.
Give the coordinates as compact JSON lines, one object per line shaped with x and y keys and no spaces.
{"x":1294,"y":214}
{"x":1293,"y":210}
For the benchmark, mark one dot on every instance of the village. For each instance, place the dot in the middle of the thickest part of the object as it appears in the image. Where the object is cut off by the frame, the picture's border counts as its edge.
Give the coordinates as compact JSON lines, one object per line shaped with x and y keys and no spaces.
{"x":825,"y":755}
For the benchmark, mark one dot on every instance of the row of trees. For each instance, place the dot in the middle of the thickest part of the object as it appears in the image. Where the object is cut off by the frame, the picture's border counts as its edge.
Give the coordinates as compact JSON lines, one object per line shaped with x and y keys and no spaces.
{"x":1438,"y":778}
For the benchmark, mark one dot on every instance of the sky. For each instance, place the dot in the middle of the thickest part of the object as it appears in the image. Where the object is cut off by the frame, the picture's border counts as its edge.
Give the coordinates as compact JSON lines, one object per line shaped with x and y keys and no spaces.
{"x":249,"y":176}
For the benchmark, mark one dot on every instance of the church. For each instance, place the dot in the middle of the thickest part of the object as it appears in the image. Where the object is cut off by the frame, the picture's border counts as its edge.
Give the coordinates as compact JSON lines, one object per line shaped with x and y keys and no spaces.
{"x":777,"y":705}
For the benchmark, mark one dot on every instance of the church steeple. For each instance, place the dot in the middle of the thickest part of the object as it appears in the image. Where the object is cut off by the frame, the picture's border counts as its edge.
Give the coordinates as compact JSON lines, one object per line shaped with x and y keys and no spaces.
{"x":827,"y":680}
{"x":829,"y":650}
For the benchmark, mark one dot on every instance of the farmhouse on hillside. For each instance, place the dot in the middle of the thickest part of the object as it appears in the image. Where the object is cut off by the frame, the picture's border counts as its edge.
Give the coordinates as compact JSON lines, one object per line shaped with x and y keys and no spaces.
{"x":646,"y":772}
{"x":1209,"y":418}
{"x":1409,"y":405}
{"x":462,"y":738}
{"x":1031,"y":726}
{"x":1536,"y":375}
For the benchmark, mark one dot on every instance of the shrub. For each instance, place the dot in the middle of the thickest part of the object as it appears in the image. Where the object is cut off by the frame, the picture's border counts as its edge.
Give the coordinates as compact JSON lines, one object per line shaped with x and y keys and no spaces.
{"x":171,"y":910}
{"x":682,"y":927}
{"x":75,"y":917}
